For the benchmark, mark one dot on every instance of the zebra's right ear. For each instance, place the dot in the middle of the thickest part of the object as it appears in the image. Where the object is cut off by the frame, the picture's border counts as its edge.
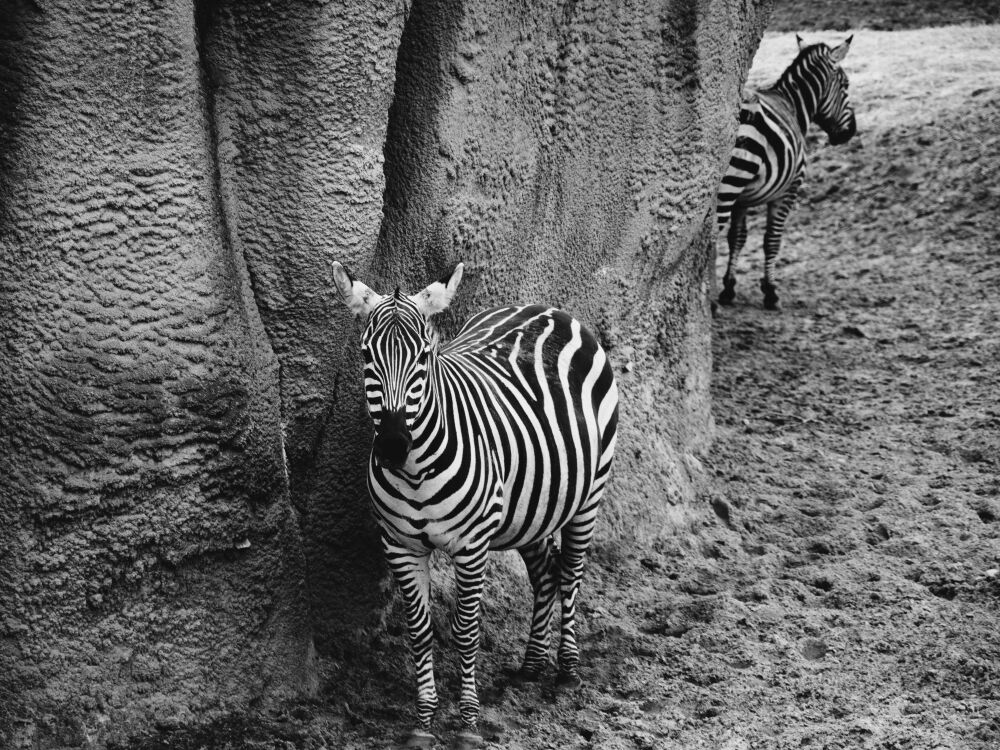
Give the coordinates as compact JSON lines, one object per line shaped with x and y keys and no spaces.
{"x":358,"y":297}
{"x":438,"y":295}
{"x":801,"y":43}
{"x":839,"y":52}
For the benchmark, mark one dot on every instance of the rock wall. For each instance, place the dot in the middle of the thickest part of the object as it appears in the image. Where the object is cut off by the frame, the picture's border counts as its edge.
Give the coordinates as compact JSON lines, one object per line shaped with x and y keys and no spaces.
{"x":569,"y":152}
{"x":151,"y":569}
{"x":182,"y":432}
{"x":301,"y":92}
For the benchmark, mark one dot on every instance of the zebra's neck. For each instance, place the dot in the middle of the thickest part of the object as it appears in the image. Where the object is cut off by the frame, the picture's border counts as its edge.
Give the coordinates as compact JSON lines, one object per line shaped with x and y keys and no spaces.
{"x":801,"y":88}
{"x":431,"y":431}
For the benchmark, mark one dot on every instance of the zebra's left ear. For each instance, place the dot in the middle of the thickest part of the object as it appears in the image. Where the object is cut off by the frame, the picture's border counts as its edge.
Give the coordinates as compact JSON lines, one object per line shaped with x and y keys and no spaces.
{"x":799,"y":41}
{"x":839,"y":52}
{"x":358,"y":297}
{"x":437,"y":296}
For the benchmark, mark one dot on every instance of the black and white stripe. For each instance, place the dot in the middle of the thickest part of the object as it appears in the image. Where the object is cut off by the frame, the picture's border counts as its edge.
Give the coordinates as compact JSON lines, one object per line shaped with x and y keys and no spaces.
{"x":501,"y":439}
{"x":767,"y":164}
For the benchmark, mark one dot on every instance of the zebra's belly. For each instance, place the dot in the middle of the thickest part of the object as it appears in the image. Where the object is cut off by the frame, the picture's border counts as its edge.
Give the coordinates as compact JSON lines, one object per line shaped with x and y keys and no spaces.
{"x":532,"y":515}
{"x":521,"y":534}
{"x":764,"y":189}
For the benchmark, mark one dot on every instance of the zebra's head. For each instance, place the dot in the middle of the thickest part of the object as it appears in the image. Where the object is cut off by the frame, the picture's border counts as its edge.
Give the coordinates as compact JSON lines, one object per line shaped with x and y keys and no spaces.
{"x":834,"y":113}
{"x":397,"y":342}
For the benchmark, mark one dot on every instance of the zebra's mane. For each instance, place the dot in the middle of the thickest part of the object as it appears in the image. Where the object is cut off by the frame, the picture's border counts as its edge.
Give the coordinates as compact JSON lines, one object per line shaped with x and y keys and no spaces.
{"x":434,"y":335}
{"x":800,"y":59}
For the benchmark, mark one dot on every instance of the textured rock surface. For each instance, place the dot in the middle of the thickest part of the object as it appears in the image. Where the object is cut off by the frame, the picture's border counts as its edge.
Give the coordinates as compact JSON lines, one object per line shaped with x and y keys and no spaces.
{"x":301,"y":96}
{"x":150,"y":565}
{"x":566,"y":154}
{"x":176,"y":377}
{"x":569,"y":153}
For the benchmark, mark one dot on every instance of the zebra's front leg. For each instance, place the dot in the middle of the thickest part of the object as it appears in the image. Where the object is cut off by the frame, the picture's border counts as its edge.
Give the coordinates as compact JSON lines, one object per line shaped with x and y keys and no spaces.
{"x":777,"y":213}
{"x":576,"y":537}
{"x":412,"y":572}
{"x":542,"y":572}
{"x":737,"y":239}
{"x":470,"y":570}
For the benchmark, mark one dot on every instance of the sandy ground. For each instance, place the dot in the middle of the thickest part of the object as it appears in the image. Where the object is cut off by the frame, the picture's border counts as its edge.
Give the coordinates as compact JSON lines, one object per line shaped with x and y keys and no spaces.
{"x":843,"y":591}
{"x":880,"y":15}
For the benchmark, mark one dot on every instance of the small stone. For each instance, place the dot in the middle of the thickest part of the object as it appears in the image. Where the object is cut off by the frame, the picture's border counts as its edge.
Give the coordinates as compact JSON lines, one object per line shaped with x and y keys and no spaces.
{"x":815,"y":649}
{"x":653,"y":706}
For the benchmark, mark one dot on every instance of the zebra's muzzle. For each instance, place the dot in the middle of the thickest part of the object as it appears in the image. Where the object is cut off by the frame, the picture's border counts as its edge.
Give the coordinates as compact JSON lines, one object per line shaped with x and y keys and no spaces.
{"x":392,"y":440}
{"x":839,"y":137}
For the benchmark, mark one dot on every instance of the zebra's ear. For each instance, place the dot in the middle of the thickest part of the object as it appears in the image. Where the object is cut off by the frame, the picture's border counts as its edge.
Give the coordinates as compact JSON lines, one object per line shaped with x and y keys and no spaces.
{"x":437,"y":296}
{"x":799,"y":41}
{"x":358,"y":297}
{"x":839,"y":52}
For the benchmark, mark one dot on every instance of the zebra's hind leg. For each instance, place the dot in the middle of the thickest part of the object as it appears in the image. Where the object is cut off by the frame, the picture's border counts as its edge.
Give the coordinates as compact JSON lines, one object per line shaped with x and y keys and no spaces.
{"x":470,"y":570}
{"x":412,"y":572}
{"x":737,"y":239}
{"x":542,"y":572}
{"x":576,"y":537}
{"x":777,"y":213}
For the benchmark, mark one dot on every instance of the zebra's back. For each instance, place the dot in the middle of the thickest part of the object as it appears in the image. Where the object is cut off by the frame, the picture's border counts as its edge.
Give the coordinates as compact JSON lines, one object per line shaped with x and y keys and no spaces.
{"x":769,"y":151}
{"x":549,"y":404}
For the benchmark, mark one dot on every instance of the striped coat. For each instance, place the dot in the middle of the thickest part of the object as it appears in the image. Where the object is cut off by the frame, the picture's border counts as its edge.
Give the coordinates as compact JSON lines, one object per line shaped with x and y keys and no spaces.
{"x":501,"y":439}
{"x":510,"y":442}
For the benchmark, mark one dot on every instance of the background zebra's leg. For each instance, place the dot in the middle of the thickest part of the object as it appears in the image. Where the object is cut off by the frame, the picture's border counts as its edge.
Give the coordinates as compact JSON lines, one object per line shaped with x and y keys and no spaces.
{"x":576,"y":537}
{"x":470,"y":569}
{"x":737,"y":238}
{"x":777,"y":213}
{"x":540,"y":562}
{"x":412,"y":572}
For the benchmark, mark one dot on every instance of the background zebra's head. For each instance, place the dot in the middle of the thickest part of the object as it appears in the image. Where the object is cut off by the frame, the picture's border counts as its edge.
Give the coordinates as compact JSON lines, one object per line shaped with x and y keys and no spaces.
{"x":397,"y":342}
{"x":821,"y":78}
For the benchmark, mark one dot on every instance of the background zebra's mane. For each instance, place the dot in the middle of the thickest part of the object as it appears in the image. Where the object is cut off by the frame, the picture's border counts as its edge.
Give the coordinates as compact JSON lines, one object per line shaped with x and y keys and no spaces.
{"x":804,"y":54}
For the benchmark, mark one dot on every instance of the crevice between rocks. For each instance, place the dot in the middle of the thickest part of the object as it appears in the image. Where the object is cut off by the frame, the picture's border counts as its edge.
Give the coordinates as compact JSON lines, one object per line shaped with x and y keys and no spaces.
{"x":206,"y":19}
{"x":412,"y":151}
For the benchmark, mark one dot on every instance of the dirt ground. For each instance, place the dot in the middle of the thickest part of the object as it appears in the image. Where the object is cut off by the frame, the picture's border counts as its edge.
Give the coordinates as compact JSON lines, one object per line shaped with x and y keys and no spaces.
{"x":879,"y":15}
{"x":844,"y":589}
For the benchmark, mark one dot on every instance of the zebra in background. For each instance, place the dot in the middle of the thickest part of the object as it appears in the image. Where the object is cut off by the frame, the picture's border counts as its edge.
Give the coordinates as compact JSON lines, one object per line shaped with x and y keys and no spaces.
{"x":767,"y":164}
{"x":501,"y":439}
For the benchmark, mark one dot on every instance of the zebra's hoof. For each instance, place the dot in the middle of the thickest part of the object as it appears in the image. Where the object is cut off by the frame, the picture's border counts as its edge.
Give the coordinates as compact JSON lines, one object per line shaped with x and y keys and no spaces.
{"x":420,"y":739}
{"x":770,"y":295}
{"x":468,"y":740}
{"x":568,"y":681}
{"x":726,"y":297}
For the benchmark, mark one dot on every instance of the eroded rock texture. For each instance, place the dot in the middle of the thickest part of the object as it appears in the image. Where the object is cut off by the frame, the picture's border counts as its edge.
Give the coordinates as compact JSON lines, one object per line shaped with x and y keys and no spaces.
{"x":301,"y":96}
{"x":182,"y":432}
{"x":569,"y":152}
{"x":151,"y":567}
